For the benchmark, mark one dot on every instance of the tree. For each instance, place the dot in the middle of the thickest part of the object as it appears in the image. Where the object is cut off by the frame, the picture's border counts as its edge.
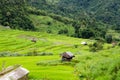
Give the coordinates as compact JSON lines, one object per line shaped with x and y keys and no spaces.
{"x":86,"y":33}
{"x":14,"y":14}
{"x":108,"y":38}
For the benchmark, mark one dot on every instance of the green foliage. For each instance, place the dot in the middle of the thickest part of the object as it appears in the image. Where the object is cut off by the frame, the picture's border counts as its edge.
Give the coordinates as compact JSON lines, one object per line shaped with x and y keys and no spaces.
{"x":51,"y":25}
{"x":102,"y":65}
{"x":108,"y":38}
{"x":119,"y":44}
{"x":14,"y":14}
{"x":89,"y":29}
{"x":107,"y":12}
{"x":106,"y":69}
{"x":65,"y":31}
{"x":20,"y":42}
{"x":86,"y":33}
{"x":96,"y":46}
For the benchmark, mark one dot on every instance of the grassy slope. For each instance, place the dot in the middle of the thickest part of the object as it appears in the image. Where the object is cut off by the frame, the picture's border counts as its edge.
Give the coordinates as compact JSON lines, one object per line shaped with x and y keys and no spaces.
{"x":46,"y":24}
{"x":16,"y":41}
{"x":20,"y":42}
{"x":41,"y":72}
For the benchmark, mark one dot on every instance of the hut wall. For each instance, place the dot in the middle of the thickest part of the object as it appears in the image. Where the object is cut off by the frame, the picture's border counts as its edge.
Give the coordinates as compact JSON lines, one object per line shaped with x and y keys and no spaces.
{"x":24,"y":78}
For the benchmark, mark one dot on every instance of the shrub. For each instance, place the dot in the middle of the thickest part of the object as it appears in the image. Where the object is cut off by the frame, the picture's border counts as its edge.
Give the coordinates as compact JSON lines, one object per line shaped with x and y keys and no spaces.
{"x":106,"y":69}
{"x":76,"y":46}
{"x":86,"y":33}
{"x":108,"y":38}
{"x":49,"y":31}
{"x":63,"y":31}
{"x":96,"y":46}
{"x":118,"y":44}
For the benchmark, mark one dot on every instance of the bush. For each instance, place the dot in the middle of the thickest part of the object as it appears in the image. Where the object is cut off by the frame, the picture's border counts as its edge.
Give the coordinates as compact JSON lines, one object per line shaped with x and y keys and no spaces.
{"x":106,"y":69}
{"x":76,"y":46}
{"x":63,"y":31}
{"x":118,"y":44}
{"x":96,"y":46}
{"x":86,"y":33}
{"x":108,"y":38}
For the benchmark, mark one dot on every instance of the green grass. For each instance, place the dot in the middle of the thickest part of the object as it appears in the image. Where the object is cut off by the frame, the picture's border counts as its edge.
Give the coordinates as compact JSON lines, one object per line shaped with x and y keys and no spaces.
{"x":50,"y":67}
{"x":60,"y":72}
{"x":20,"y":42}
{"x":50,"y":25}
{"x":16,"y":41}
{"x":103,"y":65}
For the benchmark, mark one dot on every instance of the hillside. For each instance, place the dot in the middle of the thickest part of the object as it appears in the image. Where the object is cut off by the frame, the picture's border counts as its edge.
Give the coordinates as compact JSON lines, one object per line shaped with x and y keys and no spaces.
{"x":71,"y":18}
{"x":14,"y":14}
{"x":35,"y":33}
{"x":43,"y":61}
{"x":50,"y":25}
{"x":106,"y":11}
{"x":49,"y":43}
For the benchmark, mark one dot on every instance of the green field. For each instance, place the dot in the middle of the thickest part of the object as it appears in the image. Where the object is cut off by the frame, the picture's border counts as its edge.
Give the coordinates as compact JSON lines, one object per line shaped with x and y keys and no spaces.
{"x":50,"y":68}
{"x":20,"y":42}
{"x":60,"y":72}
{"x":15,"y":41}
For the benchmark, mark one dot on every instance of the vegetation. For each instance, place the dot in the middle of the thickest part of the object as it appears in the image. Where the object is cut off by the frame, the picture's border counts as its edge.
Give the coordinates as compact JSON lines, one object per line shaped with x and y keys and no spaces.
{"x":47,"y":63}
{"x":45,"y":43}
{"x":13,"y":13}
{"x":48,"y":17}
{"x":98,"y":66}
{"x":98,"y":45}
{"x":56,"y":26}
{"x":105,"y":11}
{"x":86,"y":24}
{"x":51,"y":25}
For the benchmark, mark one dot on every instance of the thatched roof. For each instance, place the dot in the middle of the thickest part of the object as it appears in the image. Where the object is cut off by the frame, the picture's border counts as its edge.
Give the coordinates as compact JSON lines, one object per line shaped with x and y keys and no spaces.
{"x":13,"y":73}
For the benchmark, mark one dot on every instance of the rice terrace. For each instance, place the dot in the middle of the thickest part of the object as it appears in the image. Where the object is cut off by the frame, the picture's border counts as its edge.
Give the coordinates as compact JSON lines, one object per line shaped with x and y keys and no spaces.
{"x":43,"y":59}
{"x":59,"y":40}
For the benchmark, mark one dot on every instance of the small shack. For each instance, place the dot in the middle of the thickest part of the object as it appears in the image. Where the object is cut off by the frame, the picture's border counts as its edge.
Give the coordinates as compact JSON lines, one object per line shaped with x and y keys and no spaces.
{"x":34,"y":40}
{"x":67,"y":56}
{"x":84,"y":43}
{"x":14,"y":73}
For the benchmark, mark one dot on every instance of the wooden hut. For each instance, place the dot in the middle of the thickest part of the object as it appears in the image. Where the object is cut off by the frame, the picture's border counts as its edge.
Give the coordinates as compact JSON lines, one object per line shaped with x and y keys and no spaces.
{"x":14,"y":73}
{"x":34,"y":40}
{"x":67,"y":56}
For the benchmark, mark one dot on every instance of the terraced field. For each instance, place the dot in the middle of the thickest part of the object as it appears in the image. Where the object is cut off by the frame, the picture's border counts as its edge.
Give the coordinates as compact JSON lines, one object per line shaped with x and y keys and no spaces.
{"x":20,"y":42}
{"x":15,"y":41}
{"x":50,"y":66}
{"x":60,"y":72}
